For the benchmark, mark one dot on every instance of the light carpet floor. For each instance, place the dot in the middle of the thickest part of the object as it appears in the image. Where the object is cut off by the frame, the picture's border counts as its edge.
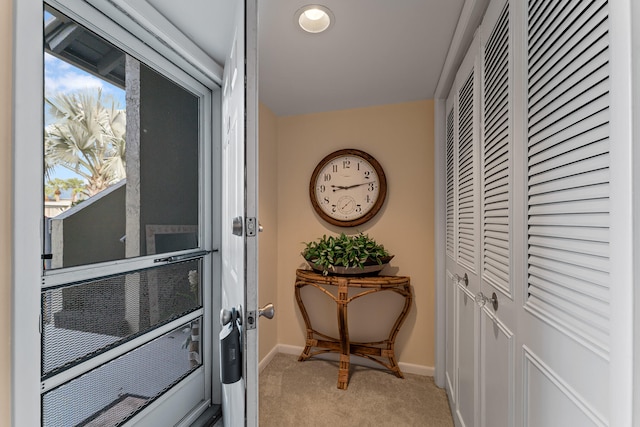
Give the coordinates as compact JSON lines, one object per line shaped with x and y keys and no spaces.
{"x":296,"y":393}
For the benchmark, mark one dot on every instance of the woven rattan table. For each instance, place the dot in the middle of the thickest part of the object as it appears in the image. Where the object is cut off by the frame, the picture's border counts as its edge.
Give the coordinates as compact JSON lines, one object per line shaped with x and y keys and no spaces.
{"x":381,"y":352}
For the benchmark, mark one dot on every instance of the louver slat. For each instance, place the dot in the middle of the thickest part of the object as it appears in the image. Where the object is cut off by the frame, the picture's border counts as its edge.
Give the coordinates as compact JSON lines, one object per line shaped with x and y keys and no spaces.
{"x":466,"y":176}
{"x":568,"y":166}
{"x":496,"y":156}
{"x":450,"y":185}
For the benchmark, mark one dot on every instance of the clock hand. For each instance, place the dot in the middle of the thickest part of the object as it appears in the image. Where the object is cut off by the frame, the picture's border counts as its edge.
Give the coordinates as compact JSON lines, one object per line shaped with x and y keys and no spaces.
{"x":357,"y":185}
{"x":348,"y":187}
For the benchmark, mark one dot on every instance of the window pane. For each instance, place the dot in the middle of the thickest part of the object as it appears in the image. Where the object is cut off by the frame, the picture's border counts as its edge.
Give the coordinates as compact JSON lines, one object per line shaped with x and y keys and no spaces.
{"x":115,"y":391}
{"x":121,"y":150}
{"x":81,"y":320}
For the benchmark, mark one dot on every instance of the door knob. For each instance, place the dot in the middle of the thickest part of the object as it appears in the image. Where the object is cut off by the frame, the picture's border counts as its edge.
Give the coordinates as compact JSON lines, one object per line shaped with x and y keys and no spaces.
{"x":236,"y":226}
{"x":482,"y":300}
{"x":267,"y":311}
{"x":226,"y":316}
{"x":464,"y":279}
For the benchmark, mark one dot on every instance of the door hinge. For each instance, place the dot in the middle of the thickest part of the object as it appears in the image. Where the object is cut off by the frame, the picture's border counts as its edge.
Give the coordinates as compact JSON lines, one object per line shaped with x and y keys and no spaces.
{"x":252,"y":227}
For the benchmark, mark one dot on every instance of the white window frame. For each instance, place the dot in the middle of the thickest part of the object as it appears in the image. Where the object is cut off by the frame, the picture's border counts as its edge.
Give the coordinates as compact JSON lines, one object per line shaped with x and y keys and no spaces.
{"x":199,"y":75}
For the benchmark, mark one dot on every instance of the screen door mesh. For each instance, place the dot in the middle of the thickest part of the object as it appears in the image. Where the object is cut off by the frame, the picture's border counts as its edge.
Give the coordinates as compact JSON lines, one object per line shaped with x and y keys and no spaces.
{"x":115,"y":391}
{"x":82,"y":320}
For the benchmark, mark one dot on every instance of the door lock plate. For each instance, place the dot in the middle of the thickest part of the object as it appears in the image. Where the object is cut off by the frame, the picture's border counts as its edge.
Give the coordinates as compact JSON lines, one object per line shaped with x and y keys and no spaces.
{"x":251,"y":320}
{"x":251,"y":227}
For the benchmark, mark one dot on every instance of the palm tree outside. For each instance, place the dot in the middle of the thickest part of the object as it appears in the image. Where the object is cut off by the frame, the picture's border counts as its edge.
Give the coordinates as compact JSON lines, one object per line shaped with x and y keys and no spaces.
{"x":87,"y":138}
{"x":56,"y":185}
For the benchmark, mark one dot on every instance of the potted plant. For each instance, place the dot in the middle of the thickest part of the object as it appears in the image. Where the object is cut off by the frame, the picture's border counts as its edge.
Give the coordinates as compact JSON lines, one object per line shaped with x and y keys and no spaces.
{"x":348,"y":255}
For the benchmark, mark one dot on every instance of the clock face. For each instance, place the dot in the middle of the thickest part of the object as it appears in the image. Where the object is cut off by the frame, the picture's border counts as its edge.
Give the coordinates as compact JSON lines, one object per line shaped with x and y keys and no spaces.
{"x":348,"y":187}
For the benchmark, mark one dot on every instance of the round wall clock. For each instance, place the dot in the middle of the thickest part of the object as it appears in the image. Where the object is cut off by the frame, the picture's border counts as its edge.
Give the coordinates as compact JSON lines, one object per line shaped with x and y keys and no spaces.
{"x":348,"y":187}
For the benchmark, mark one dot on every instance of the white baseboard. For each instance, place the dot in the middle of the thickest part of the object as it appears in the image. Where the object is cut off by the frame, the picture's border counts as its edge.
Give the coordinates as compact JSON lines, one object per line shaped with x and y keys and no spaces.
{"x":407,"y":368}
{"x":265,"y":360}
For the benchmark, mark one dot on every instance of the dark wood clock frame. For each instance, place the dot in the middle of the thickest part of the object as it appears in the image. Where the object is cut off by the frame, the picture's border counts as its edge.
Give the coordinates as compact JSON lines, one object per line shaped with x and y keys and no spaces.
{"x":382,"y":185}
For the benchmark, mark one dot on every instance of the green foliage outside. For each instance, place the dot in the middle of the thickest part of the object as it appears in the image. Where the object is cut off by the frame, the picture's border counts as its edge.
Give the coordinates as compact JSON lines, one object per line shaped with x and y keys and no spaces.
{"x":76,"y":185}
{"x":87,"y":138}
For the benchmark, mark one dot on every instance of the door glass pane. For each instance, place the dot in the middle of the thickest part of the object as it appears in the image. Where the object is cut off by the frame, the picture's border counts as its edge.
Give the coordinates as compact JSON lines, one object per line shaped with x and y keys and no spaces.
{"x":121,"y":150}
{"x":82,"y":320}
{"x":115,"y":391}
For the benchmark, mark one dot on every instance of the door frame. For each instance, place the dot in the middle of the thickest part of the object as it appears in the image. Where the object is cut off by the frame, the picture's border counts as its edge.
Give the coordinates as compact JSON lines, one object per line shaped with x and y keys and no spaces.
{"x":27,"y":105}
{"x":251,"y":209}
{"x":634,"y":15}
{"x":624,"y":94}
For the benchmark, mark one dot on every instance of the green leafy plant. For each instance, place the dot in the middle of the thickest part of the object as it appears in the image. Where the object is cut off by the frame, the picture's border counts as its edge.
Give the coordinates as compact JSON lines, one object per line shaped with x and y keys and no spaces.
{"x":345,"y":251}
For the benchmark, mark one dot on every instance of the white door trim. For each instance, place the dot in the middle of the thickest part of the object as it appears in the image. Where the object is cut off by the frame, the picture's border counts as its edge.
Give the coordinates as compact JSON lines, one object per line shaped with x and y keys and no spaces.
{"x":622,"y":199}
{"x":251,"y":207}
{"x":27,"y":221}
{"x":440,"y":271}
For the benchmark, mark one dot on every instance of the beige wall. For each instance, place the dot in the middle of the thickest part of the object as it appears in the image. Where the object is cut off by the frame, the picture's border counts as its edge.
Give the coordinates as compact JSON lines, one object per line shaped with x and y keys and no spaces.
{"x":5,"y":210}
{"x":400,"y":137}
{"x":268,"y":211}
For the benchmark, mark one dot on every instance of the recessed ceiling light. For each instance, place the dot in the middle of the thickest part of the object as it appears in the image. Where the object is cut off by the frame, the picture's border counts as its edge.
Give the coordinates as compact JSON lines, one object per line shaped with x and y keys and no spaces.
{"x":314,"y":18}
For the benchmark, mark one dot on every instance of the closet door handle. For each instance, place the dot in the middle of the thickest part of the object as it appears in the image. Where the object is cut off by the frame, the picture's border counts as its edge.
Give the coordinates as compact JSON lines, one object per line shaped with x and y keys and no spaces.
{"x":482,"y":300}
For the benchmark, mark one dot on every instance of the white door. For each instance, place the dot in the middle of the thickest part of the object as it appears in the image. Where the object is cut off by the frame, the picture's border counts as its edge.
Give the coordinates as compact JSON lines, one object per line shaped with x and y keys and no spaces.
{"x":239,"y":223}
{"x":497,"y":288}
{"x":541,"y":355}
{"x":564,"y":325}
{"x":463,"y":241}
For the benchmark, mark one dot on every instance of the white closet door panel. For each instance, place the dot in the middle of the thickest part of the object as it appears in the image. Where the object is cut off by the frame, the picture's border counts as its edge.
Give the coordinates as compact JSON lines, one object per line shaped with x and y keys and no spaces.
{"x":580,"y":193}
{"x":562,"y":267}
{"x":568,"y":227}
{"x":596,"y":248}
{"x":569,"y":76}
{"x":553,"y":117}
{"x":567,"y":298}
{"x":554,"y":136}
{"x":466,"y":174}
{"x":557,"y":35}
{"x":496,"y":155}
{"x":466,"y":352}
{"x":573,"y":163}
{"x":570,"y":206}
{"x":551,"y":401}
{"x":590,"y":262}
{"x":497,"y":341}
{"x":464,"y":238}
{"x":497,"y":373}
{"x":450,"y":185}
{"x":450,"y":361}
{"x":588,"y":302}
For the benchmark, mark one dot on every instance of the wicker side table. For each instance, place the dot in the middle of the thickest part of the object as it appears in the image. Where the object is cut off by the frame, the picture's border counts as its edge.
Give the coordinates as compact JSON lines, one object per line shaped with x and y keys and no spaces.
{"x":381,"y":352}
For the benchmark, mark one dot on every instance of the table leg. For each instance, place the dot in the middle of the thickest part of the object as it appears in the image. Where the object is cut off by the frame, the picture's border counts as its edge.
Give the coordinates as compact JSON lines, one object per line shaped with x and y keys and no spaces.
{"x":345,"y":350}
{"x":389,"y":353}
{"x":310,"y":342}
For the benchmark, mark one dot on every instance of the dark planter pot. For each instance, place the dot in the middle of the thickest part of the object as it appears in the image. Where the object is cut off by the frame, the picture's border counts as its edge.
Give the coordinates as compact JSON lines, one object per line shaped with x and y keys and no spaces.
{"x":370,"y":268}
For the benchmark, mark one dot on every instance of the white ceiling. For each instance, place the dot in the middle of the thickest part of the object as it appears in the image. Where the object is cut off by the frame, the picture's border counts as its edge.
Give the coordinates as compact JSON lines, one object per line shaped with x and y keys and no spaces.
{"x":377,"y":52}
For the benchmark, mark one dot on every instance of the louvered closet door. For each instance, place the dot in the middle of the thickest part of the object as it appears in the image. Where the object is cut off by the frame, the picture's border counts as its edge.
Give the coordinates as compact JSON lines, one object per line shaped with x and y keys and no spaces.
{"x":451,"y":285}
{"x":497,"y":326}
{"x":565,"y":323}
{"x":463,"y":238}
